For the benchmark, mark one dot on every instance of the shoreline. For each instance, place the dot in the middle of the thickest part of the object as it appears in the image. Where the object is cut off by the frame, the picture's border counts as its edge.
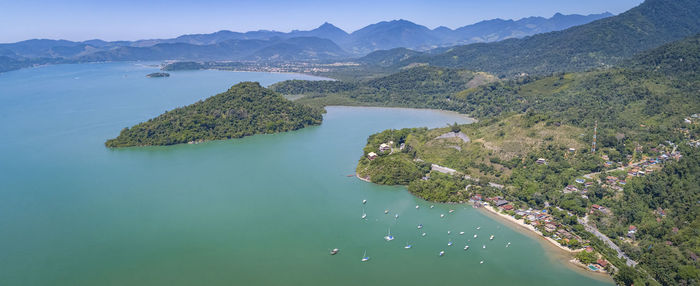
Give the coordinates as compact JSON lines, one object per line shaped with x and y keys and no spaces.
{"x":557,"y":251}
{"x":471,"y":120}
{"x":521,"y":223}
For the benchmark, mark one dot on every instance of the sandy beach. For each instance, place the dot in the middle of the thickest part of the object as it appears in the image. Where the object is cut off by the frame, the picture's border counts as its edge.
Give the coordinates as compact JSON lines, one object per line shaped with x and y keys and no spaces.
{"x":521,"y":223}
{"x":558,"y":252}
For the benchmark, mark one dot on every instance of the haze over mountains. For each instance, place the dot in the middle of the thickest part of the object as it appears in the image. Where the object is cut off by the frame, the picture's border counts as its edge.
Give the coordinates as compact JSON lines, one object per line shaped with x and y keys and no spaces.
{"x":601,"y":43}
{"x":326,"y":42}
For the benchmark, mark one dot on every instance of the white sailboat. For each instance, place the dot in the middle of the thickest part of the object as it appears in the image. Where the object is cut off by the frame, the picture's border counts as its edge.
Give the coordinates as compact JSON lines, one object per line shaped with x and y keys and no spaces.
{"x":491,"y":238}
{"x":364,"y":202}
{"x":389,"y":237}
{"x":466,"y":247}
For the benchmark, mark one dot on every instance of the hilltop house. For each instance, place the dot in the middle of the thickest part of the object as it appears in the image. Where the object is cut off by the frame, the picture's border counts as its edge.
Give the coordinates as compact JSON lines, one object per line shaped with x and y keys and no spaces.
{"x":371,"y":155}
{"x":384,"y":147}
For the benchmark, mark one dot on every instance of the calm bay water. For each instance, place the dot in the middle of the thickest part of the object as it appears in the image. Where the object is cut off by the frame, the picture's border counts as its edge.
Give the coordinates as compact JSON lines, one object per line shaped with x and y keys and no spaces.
{"x":262,"y":210}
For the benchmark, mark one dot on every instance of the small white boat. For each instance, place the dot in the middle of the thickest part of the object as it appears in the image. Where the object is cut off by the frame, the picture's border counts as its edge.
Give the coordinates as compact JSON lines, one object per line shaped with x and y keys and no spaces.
{"x":449,"y":232}
{"x":334,"y":251}
{"x":481,"y":262}
{"x":442,"y":215}
{"x":364,"y":202}
{"x":432,"y":206}
{"x":417,"y":206}
{"x":508,"y":244}
{"x":386,"y":211}
{"x":451,"y":211}
{"x":364,"y":256}
{"x":364,"y":216}
{"x":475,"y":236}
{"x":389,"y":237}
{"x":396,"y":216}
{"x":420,"y":226}
{"x":449,"y":243}
{"x":484,"y":246}
{"x":491,"y":238}
{"x":442,"y":252}
{"x":478,"y":228}
{"x":461,"y":233}
{"x":408,"y":246}
{"x":423,"y":234}
{"x":466,"y":247}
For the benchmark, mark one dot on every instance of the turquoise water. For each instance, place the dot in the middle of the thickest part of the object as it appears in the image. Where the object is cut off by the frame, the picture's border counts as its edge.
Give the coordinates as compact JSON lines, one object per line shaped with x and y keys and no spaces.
{"x":262,"y":210}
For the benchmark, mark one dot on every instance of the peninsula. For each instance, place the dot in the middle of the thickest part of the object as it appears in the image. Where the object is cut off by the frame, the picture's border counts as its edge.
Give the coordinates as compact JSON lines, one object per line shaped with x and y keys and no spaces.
{"x":245,"y":109}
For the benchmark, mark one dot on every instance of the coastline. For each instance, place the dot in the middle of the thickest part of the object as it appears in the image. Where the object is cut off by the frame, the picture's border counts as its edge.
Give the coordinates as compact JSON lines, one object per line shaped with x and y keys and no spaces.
{"x":557,"y":251}
{"x":465,"y":116}
{"x":521,"y":223}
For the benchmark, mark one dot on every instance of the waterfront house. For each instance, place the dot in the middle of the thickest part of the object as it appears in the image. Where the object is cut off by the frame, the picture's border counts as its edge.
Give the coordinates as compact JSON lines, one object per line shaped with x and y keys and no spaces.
{"x":501,"y":202}
{"x":507,"y":207}
{"x":602,"y":262}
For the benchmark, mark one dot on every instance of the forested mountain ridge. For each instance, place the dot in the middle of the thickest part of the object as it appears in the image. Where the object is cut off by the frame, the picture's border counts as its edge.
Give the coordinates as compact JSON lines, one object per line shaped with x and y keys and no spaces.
{"x":274,"y":46}
{"x":245,"y":109}
{"x":601,"y":43}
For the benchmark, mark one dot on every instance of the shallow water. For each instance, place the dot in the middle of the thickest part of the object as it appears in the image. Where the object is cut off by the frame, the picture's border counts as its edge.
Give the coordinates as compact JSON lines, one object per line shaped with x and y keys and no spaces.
{"x":259,"y":210}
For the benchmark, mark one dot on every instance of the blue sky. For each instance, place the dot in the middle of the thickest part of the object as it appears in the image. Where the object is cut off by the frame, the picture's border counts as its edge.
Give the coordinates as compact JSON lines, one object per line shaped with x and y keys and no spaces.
{"x":143,"y":19}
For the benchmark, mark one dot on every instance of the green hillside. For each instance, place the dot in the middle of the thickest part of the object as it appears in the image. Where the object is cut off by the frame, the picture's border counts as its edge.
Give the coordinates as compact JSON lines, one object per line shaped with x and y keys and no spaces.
{"x":245,"y":109}
{"x":422,"y":86}
{"x":601,"y":43}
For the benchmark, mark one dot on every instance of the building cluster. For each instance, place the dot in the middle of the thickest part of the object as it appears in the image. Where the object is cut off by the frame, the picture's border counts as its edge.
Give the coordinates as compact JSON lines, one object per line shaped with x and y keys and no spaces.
{"x":384,"y":147}
{"x":540,"y":219}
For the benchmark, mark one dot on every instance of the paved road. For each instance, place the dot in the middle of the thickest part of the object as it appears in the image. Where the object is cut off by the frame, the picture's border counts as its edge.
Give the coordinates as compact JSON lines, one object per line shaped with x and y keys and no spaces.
{"x":607,"y":241}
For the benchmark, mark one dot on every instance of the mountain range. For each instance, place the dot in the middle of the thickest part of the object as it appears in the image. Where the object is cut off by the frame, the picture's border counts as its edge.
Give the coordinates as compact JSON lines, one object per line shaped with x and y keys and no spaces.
{"x":602,"y":43}
{"x":327,"y":42}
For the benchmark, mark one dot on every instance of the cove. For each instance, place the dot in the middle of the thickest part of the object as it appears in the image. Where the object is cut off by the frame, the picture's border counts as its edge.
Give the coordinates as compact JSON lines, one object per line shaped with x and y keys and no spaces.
{"x":262,"y":210}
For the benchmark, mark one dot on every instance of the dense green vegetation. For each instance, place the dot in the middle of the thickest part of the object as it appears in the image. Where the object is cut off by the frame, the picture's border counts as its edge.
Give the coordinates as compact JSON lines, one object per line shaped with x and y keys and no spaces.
{"x":423,"y":86}
{"x":245,"y":109}
{"x":598,"y":44}
{"x":177,"y":66}
{"x":639,"y":108}
{"x":665,"y":209}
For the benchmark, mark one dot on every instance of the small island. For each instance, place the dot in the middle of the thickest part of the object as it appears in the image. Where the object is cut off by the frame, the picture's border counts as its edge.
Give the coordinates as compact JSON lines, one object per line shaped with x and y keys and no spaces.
{"x":158,"y":74}
{"x":245,"y":109}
